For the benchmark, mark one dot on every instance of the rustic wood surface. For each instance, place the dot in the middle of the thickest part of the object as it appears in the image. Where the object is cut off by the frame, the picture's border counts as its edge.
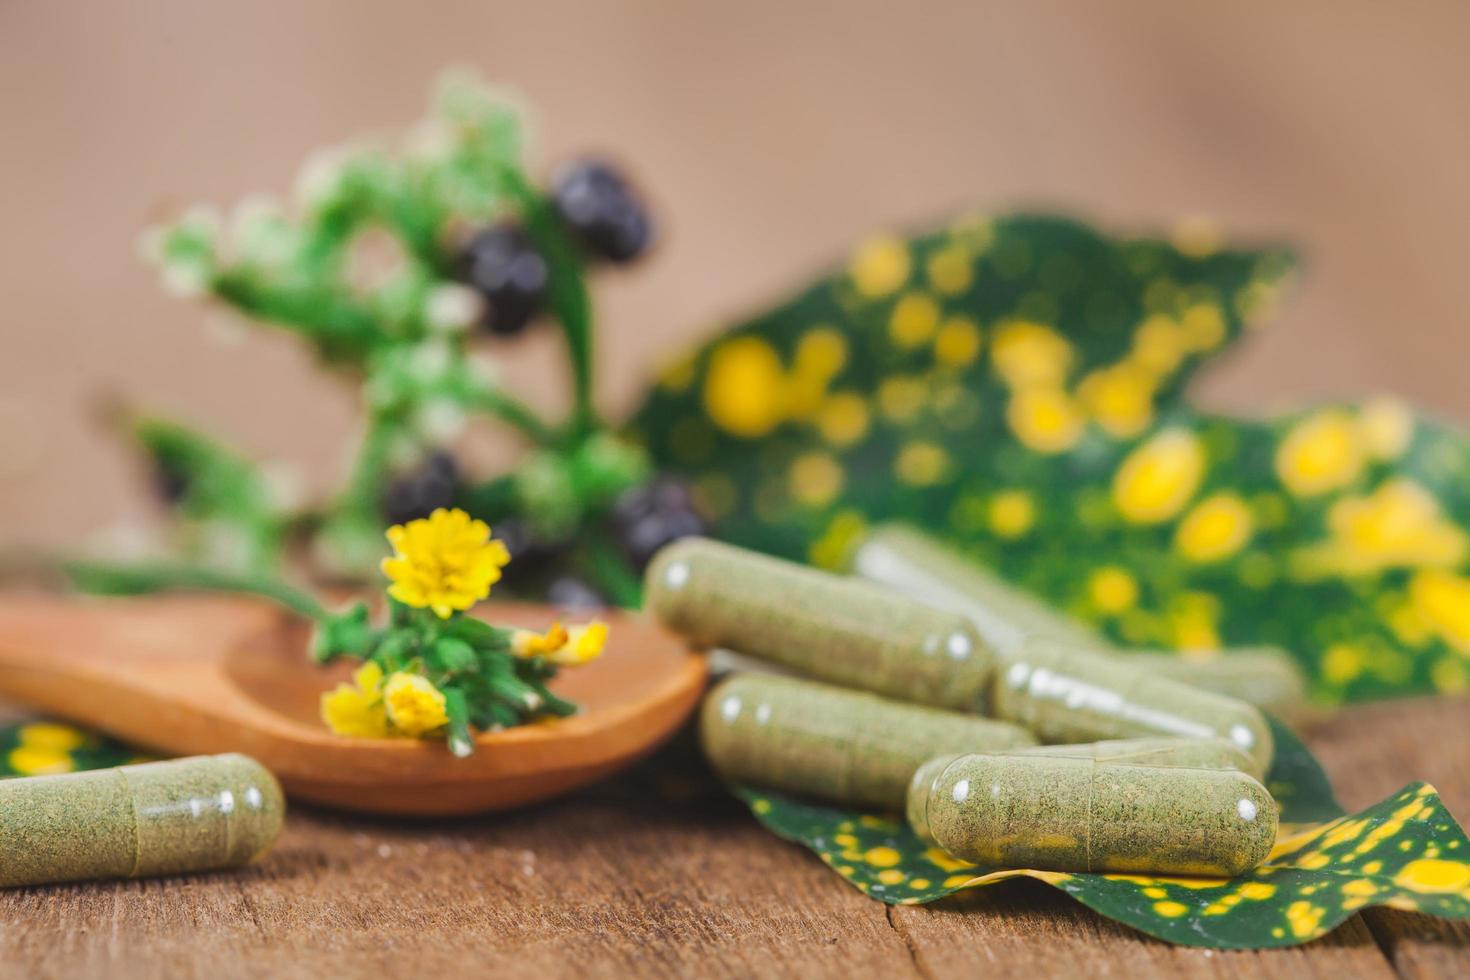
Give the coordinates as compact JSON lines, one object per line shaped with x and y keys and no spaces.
{"x":646,"y":876}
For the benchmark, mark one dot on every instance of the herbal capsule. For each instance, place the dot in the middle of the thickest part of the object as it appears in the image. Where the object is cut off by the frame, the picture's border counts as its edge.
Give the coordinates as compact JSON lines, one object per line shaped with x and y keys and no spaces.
{"x":158,"y":818}
{"x":1069,"y":814}
{"x":917,"y":566}
{"x":827,"y":626}
{"x":1185,"y":753}
{"x":1064,"y":693}
{"x":913,"y":564}
{"x":844,"y":746}
{"x":1266,"y":677}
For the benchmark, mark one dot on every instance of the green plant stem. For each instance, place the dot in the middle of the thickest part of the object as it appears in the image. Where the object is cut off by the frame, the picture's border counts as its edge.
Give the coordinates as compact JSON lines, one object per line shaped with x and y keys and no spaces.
{"x":105,"y":579}
{"x":510,"y":410}
{"x":567,"y":292}
{"x":606,"y":564}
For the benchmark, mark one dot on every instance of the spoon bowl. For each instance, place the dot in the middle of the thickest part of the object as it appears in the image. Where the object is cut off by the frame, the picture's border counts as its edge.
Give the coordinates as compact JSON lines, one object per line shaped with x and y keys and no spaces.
{"x":194,"y":675}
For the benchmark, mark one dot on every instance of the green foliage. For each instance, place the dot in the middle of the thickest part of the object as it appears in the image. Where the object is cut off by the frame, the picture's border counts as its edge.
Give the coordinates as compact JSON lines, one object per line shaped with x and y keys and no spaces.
{"x":1013,"y":386}
{"x":1406,"y":852}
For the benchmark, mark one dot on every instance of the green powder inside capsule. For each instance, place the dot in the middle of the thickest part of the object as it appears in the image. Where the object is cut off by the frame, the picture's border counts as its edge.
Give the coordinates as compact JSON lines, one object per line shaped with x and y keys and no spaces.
{"x":911,"y":563}
{"x":1186,"y":753}
{"x":1064,"y":693}
{"x":831,"y":627}
{"x":839,"y":745}
{"x":1060,"y":813}
{"x":158,"y":818}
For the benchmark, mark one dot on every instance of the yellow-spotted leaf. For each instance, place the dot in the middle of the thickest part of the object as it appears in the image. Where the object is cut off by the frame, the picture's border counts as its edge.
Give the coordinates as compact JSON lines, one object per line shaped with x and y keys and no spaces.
{"x":1014,"y":385}
{"x":1406,"y":852}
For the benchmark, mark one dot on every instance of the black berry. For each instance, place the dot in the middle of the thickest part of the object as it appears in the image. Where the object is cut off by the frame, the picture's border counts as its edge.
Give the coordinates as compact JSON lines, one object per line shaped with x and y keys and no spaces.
{"x":505,"y":268}
{"x":646,"y":518}
{"x":530,"y":555}
{"x":601,"y":210}
{"x":422,"y":491}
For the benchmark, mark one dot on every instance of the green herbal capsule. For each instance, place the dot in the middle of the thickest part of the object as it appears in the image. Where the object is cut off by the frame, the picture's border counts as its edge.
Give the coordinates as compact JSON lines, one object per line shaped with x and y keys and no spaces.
{"x":1266,"y":677}
{"x":1069,"y":814}
{"x":840,"y":745}
{"x":158,"y":818}
{"x":914,"y":564}
{"x":827,"y":626}
{"x":1064,"y":693}
{"x":1185,"y":753}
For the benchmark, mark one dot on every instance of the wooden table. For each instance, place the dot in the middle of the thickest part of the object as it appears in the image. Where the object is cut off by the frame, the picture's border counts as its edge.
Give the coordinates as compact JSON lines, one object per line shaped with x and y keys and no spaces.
{"x":645,"y":877}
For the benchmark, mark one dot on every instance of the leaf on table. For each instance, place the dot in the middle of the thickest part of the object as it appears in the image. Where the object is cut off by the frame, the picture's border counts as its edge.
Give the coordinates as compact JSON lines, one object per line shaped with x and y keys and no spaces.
{"x":1014,"y":385}
{"x":1406,"y":852}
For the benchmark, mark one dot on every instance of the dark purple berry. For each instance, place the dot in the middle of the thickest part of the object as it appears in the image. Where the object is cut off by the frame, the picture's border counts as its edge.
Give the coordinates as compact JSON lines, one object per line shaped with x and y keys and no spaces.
{"x":529,"y":554}
{"x":505,"y":268}
{"x":575,"y":595}
{"x":424,"y":490}
{"x":602,"y":211}
{"x":646,"y":518}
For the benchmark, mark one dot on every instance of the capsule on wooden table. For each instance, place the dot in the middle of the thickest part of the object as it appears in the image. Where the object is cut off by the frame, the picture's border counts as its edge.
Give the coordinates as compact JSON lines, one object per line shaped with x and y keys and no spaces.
{"x":1185,"y":753}
{"x":1267,"y":677}
{"x":1063,"y":813}
{"x":158,"y":818}
{"x":1064,"y":693}
{"x":915,"y":565}
{"x":840,"y":745}
{"x":831,"y":627}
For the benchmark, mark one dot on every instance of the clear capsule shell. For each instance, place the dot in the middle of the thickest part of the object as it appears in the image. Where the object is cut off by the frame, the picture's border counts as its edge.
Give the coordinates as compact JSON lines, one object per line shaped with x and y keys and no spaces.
{"x":1060,"y":813}
{"x":844,"y":746}
{"x":830,"y":627}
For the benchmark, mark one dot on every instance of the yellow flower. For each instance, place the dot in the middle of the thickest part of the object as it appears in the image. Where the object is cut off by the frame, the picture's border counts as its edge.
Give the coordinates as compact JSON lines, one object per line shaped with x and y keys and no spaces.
{"x":1044,"y":419}
{"x":1321,"y":452}
{"x":1193,"y":620}
{"x":1216,"y":528}
{"x":446,"y":562}
{"x":563,"y":647}
{"x":843,"y":419}
{"x":1158,"y":345}
{"x":529,"y":643}
{"x":914,"y":320}
{"x":1026,"y":353}
{"x":1012,"y":513}
{"x":1112,"y":590}
{"x":921,"y":464}
{"x":950,"y":269}
{"x":957,"y":343}
{"x":1399,"y":524}
{"x":415,"y":706}
{"x":357,"y":709}
{"x":1120,"y":397}
{"x":1158,"y":478}
{"x":1442,"y":599}
{"x":815,"y":478}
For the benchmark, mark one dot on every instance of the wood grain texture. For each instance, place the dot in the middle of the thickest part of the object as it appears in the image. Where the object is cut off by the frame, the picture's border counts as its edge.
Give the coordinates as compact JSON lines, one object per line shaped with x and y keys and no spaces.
{"x":649,"y":875}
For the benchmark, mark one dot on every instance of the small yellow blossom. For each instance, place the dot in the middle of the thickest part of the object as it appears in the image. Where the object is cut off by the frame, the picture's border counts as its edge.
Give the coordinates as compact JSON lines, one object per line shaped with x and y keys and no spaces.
{"x":1321,"y":453}
{"x":815,"y":478}
{"x":445,"y":562}
{"x":1216,"y":528}
{"x":563,"y":647}
{"x":415,"y":706}
{"x":880,"y":266}
{"x":357,"y":709}
{"x":843,"y":419}
{"x":1158,"y":478}
{"x":529,"y":643}
{"x":915,"y":318}
{"x":1158,"y":345}
{"x":1026,"y":353}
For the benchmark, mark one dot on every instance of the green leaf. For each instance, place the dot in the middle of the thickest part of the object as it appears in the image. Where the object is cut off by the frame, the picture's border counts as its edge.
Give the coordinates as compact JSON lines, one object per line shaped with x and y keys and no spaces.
{"x":1406,"y":852}
{"x":1014,"y":387}
{"x":223,"y":497}
{"x":453,"y":655}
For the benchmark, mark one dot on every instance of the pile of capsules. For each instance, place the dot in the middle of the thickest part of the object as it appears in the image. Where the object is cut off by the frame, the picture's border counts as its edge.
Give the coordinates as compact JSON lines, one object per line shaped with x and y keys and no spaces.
{"x":936,"y":709}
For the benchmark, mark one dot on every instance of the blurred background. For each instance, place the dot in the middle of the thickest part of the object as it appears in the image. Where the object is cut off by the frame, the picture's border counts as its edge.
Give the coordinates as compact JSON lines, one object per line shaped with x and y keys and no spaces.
{"x":769,"y":135}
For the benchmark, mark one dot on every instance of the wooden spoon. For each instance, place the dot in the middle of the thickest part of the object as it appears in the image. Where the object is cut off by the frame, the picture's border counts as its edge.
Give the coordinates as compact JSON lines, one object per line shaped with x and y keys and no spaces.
{"x":191,"y":675}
